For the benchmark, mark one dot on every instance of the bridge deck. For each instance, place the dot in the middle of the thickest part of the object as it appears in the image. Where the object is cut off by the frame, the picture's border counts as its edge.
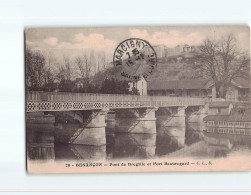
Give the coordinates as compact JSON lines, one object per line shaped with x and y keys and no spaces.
{"x":60,"y":101}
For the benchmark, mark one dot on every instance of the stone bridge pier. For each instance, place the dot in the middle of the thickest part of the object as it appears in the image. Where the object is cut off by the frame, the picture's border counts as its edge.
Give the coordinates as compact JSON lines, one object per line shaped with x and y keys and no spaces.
{"x":136,"y":120}
{"x":195,"y":116}
{"x":90,"y":132}
{"x":110,"y":121}
{"x":171,"y":121}
{"x":136,"y":132}
{"x":197,"y":113}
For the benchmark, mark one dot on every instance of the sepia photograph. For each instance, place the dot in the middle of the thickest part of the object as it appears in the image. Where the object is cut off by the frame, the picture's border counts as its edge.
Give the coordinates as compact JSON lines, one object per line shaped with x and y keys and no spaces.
{"x":137,"y":99}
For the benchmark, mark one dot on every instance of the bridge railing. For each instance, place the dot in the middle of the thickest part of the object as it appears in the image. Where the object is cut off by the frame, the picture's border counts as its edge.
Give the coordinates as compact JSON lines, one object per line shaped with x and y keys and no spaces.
{"x":75,"y":97}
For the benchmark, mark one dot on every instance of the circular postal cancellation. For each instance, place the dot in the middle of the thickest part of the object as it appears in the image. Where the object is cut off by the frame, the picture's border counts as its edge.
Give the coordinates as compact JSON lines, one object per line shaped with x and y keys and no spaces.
{"x":135,"y":58}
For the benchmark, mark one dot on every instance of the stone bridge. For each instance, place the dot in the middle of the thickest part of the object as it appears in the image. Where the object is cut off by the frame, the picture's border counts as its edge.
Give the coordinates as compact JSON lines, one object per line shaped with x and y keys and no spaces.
{"x":129,"y":113}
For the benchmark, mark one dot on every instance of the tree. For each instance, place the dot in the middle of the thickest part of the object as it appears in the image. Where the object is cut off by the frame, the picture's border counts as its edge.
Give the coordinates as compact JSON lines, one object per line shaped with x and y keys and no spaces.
{"x":61,"y":74}
{"x":66,"y":86}
{"x":93,"y":62}
{"x":84,"y":65}
{"x":49,"y":77}
{"x":221,"y":62}
{"x":68,"y":69}
{"x":35,"y":64}
{"x":101,"y":61}
{"x":81,"y":66}
{"x":87,"y":66}
{"x":39,"y":74}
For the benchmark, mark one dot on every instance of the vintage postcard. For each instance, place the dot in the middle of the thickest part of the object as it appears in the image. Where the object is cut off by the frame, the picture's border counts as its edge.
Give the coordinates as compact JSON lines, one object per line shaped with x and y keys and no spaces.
{"x":138,"y":99}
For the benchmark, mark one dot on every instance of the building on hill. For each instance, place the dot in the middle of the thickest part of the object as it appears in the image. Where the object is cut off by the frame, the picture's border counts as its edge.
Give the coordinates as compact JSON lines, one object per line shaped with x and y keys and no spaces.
{"x":159,"y":49}
{"x":163,"y":51}
{"x":179,"y":49}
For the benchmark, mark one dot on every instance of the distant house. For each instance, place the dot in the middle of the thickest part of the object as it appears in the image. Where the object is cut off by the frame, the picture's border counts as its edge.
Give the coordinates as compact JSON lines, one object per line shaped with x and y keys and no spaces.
{"x":185,"y":88}
{"x":140,"y":85}
{"x":238,"y":91}
{"x":221,"y":108}
{"x":163,"y":51}
{"x":180,"y":49}
{"x":159,"y":49}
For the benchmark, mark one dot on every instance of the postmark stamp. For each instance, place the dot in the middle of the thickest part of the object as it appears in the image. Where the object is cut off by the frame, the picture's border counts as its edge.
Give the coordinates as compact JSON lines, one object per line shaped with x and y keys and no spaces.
{"x":135,"y":58}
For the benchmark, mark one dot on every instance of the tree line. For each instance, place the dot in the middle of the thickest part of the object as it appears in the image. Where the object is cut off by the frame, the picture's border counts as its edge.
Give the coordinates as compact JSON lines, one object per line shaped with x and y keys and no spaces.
{"x":85,"y":73}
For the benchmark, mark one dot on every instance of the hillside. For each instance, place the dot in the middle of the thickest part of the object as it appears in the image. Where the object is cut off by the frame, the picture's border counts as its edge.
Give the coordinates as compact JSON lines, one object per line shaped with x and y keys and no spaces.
{"x":176,"y":69}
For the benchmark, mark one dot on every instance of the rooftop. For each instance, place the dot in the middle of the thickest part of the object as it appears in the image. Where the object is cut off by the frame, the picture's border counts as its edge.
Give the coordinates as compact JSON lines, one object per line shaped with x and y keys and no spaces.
{"x":216,"y":117}
{"x":198,"y":83}
{"x":177,"y":84}
{"x":241,"y":83}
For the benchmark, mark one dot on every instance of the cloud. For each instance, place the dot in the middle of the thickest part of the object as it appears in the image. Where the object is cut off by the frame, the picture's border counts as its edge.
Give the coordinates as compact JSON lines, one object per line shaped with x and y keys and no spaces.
{"x":77,"y":44}
{"x":92,"y":41}
{"x":51,"y":41}
{"x":171,"y":38}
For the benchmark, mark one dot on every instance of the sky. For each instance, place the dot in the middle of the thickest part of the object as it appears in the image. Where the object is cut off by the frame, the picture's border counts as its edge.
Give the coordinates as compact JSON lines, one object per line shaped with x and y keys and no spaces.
{"x":74,"y":41}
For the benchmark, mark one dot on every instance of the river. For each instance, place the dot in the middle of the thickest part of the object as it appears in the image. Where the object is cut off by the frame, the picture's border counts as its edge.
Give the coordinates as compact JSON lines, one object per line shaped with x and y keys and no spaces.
{"x":41,"y":145}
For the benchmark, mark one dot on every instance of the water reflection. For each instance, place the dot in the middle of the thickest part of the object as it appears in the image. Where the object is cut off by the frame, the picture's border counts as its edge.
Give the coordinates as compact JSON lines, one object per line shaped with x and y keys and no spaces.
{"x":167,"y":142}
{"x":132,"y":145}
{"x":169,"y":139}
{"x":40,"y":143}
{"x":77,"y":151}
{"x":41,"y":151}
{"x":218,"y":147}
